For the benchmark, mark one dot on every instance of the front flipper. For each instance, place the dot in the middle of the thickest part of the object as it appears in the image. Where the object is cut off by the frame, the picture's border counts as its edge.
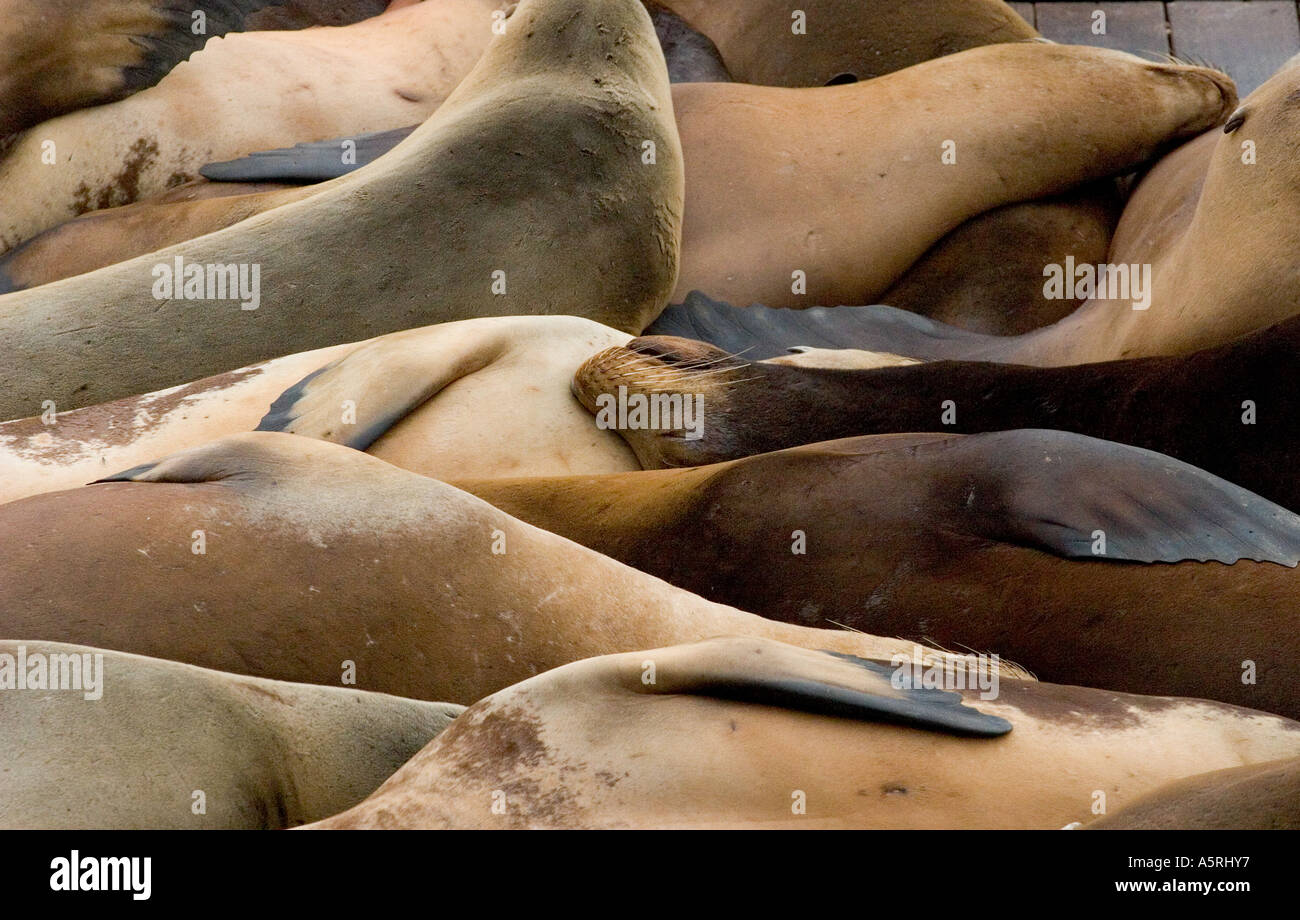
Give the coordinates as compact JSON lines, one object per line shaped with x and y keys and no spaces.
{"x":768,"y":673}
{"x":353,"y":401}
{"x":317,"y":161}
{"x":1084,"y":498}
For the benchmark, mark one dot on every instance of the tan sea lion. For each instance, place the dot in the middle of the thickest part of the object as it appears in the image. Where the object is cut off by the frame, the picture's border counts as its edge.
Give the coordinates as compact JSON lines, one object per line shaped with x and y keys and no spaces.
{"x":752,"y":734}
{"x":240,"y":93}
{"x":156,"y":744}
{"x":586,"y":222}
{"x":413,"y":586}
{"x":1203,"y":230}
{"x":1260,"y":797}
{"x":481,"y":397}
{"x":60,"y":55}
{"x":753,"y":247}
{"x":774,"y":209}
{"x":844,"y":41}
{"x":1085,"y":561}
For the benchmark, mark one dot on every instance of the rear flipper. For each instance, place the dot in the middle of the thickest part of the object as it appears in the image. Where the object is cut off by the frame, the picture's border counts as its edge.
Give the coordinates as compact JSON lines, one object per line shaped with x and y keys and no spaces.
{"x":57,"y":56}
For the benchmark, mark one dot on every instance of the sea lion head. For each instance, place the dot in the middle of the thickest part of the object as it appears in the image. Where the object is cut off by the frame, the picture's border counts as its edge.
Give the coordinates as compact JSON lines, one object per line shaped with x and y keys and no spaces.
{"x":652,"y":368}
{"x":1263,"y":133}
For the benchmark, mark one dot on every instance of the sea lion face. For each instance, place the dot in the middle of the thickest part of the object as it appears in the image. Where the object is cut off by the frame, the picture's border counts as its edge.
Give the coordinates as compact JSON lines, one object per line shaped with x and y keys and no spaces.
{"x":611,"y":383}
{"x":1266,"y":124}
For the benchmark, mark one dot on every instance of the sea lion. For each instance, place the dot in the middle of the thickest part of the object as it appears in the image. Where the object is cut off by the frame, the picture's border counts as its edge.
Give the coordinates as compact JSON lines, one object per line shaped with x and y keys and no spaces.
{"x":61,"y":55}
{"x":1230,"y":410}
{"x":156,"y":744}
{"x":413,"y":586}
{"x":1038,"y":545}
{"x":240,"y":93}
{"x":836,"y":42}
{"x":750,"y":244}
{"x":1223,"y":186}
{"x":482,"y":397}
{"x":737,"y":734}
{"x":772,"y":211}
{"x":1259,"y":797}
{"x":550,"y":182}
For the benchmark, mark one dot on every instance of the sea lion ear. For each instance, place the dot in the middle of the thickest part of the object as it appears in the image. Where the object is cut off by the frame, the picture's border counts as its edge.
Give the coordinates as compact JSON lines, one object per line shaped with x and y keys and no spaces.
{"x":768,"y":673}
{"x":1235,"y":121}
{"x":317,"y":161}
{"x":1083,"y":498}
{"x":355,"y":400}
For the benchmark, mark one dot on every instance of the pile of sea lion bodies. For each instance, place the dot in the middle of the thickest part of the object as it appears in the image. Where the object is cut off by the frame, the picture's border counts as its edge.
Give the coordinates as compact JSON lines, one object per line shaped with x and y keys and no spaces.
{"x":527,"y":358}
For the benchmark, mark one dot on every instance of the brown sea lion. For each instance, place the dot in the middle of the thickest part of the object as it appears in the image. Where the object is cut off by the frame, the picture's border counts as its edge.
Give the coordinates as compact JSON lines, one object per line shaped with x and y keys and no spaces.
{"x":585,"y":222}
{"x":1087,"y":562}
{"x":108,"y":740}
{"x":294,"y":559}
{"x":751,"y":734}
{"x":1260,"y":797}
{"x":1230,"y":410}
{"x":61,"y":55}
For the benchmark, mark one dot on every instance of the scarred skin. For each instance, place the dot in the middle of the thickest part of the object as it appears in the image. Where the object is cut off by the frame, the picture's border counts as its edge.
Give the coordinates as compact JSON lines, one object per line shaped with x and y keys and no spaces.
{"x":591,"y":745}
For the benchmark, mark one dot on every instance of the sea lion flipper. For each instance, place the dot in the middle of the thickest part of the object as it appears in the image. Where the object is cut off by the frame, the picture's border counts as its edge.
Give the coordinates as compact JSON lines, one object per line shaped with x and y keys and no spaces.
{"x":758,"y":332}
{"x":768,"y":673}
{"x":353,"y":401}
{"x":1081,"y":497}
{"x":316,"y":161}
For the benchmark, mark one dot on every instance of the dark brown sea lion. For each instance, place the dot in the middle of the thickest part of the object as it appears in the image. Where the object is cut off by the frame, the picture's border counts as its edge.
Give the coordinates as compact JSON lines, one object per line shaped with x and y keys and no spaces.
{"x":156,"y":744}
{"x":1085,"y":561}
{"x":60,"y":55}
{"x":289,"y":558}
{"x":1259,"y":797}
{"x":1231,"y":410}
{"x":739,"y":734}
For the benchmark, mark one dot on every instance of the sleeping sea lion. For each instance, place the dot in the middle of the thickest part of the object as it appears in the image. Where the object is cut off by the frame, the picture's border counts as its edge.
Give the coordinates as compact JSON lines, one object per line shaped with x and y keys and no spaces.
{"x":550,"y":182}
{"x":108,"y":740}
{"x":1085,"y":561}
{"x":743,"y":733}
{"x":294,"y":559}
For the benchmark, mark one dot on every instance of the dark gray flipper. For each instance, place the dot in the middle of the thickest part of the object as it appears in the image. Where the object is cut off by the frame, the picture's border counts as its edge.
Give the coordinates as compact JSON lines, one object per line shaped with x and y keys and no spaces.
{"x":164,"y":50}
{"x":691,"y":55}
{"x":1084,"y":498}
{"x":759,"y":332}
{"x":768,"y":673}
{"x":317,"y":161}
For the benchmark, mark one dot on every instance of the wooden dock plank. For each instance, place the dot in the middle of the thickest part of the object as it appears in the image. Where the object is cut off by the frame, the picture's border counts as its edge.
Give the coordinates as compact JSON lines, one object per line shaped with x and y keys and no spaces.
{"x":1250,"y":41}
{"x":1135,"y":27}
